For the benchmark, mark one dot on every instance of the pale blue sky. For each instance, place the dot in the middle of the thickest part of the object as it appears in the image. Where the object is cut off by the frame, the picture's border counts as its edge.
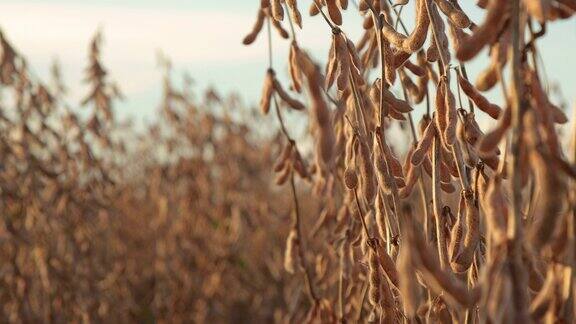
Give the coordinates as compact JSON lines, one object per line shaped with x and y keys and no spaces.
{"x":202,"y":37}
{"x":160,"y":4}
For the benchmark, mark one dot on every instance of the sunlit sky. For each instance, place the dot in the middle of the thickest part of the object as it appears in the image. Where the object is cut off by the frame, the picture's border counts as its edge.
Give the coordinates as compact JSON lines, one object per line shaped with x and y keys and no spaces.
{"x":202,"y":37}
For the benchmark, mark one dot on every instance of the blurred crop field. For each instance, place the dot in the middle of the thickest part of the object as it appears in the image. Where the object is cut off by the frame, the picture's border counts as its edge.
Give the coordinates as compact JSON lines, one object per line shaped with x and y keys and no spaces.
{"x":330,"y":161}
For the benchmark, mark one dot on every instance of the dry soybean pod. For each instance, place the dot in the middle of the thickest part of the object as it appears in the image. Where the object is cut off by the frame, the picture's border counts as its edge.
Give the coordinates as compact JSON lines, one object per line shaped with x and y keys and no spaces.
{"x":410,"y":174}
{"x":484,"y":34}
{"x":294,"y":12}
{"x":388,"y":265}
{"x":568,"y":3}
{"x":354,"y":54}
{"x":456,"y":35}
{"x":363,"y":5}
{"x":350,"y":178}
{"x":292,"y":103}
{"x":281,"y":31}
{"x":479,"y":100}
{"x":437,"y":203}
{"x":313,"y":10}
{"x":427,"y":165}
{"x":495,"y":209}
{"x":438,"y":280}
{"x":399,"y":57}
{"x":277,"y":10}
{"x":422,"y":82}
{"x":440,"y":101}
{"x":387,"y":303}
{"x":439,"y":31}
{"x":391,"y":35}
{"x":540,"y":103}
{"x":374,"y":279}
{"x":334,"y":12}
{"x":382,"y":176}
{"x":367,"y":171}
{"x":432,"y":54}
{"x":282,"y":177}
{"x":267,"y":91}
{"x":366,"y":38}
{"x":399,"y":105}
{"x":415,"y":69}
{"x":291,"y":254}
{"x":541,"y":302}
{"x":451,"y":116}
{"x":482,"y":3}
{"x":488,"y":143}
{"x":332,"y":66}
{"x":393,"y":163}
{"x":409,"y":287}
{"x":538,"y":9}
{"x":468,"y":152}
{"x":295,"y":73}
{"x":283,"y":158}
{"x":416,"y":39}
{"x":251,"y":37}
{"x":444,"y":172}
{"x":456,"y":15}
{"x":396,"y":115}
{"x":424,"y":144}
{"x":411,"y":178}
{"x":382,"y":222}
{"x":409,"y":85}
{"x":456,"y":233}
{"x":488,"y":78}
{"x":319,"y":110}
{"x":472,"y":236}
{"x":389,"y":68}
{"x":343,"y":61}
{"x":552,"y":189}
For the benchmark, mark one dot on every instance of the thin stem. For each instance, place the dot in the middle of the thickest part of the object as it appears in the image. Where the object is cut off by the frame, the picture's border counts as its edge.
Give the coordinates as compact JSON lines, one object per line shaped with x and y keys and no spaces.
{"x":410,"y":119}
{"x":269,"y":43}
{"x":424,"y":199}
{"x":436,"y":192}
{"x":360,"y":214}
{"x":517,"y":124}
{"x":301,"y":255}
{"x":518,"y":274}
{"x":297,"y":216}
{"x":291,"y":25}
{"x":281,"y":120}
{"x":377,"y":27}
{"x":398,"y":17}
{"x":459,"y":95}
{"x":358,"y":103}
{"x":465,"y":76}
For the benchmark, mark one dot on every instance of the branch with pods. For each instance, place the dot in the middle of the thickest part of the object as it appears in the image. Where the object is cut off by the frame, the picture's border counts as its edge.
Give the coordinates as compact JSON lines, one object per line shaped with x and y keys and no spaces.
{"x":507,"y":252}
